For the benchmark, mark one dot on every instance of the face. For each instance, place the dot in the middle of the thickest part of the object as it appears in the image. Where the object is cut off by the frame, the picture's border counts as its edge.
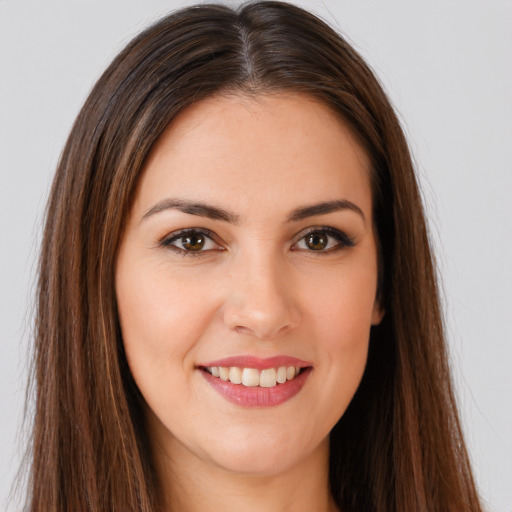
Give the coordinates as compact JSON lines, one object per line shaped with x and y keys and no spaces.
{"x":246,"y":282}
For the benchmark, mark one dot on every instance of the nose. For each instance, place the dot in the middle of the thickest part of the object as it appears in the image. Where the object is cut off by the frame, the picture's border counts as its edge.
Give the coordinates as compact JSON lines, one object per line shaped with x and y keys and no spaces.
{"x":261,"y":300}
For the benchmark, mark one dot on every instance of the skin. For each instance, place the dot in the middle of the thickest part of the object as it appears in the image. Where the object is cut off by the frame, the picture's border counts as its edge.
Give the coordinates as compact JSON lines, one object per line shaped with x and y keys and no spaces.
{"x":256,"y":287}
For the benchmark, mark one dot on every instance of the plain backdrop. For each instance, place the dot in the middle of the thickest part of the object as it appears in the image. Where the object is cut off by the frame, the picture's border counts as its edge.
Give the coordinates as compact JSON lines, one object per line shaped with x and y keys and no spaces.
{"x":447,"y":66}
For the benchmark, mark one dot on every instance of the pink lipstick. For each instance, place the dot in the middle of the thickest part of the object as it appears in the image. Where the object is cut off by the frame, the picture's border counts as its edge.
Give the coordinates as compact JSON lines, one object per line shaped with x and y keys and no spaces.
{"x":251,"y":381}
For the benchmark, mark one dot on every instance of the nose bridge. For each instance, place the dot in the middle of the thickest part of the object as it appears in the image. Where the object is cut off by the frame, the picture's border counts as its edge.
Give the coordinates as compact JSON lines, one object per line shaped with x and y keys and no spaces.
{"x":261,"y":300}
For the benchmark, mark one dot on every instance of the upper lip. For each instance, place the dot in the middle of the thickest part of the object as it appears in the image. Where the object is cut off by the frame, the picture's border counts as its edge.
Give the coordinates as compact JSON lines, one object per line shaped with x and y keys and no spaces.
{"x":246,"y":361}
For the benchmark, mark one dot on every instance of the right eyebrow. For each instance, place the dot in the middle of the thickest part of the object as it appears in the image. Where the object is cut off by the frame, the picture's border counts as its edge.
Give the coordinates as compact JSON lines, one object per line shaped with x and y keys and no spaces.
{"x":192,"y":208}
{"x":325,"y":208}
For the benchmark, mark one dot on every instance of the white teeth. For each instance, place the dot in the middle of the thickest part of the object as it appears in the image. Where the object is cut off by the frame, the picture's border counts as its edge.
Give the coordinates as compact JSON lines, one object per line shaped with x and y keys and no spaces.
{"x":235,"y":375}
{"x":251,"y":377}
{"x":281,"y":375}
{"x":268,"y":378}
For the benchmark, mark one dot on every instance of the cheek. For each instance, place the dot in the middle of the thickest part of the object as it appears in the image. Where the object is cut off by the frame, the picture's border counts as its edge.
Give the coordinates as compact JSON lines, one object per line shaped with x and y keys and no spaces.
{"x":161,"y":320}
{"x":344,"y":327}
{"x":341,"y":314}
{"x":343,"y":306}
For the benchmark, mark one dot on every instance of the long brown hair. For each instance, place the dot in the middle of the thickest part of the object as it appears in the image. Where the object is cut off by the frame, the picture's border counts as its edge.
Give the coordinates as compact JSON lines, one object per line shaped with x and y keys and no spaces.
{"x":399,"y":445}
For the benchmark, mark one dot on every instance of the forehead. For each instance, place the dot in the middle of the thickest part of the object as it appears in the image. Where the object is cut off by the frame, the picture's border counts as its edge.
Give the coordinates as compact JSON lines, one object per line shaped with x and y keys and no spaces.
{"x":279,"y":149}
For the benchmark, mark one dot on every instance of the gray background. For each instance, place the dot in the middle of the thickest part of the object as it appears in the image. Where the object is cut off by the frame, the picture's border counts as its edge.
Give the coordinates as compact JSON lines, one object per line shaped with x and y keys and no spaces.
{"x":446,"y":66}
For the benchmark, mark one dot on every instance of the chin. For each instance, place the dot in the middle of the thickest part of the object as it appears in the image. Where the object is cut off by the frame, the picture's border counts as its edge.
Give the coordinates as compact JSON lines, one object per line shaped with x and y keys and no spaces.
{"x":264,"y":454}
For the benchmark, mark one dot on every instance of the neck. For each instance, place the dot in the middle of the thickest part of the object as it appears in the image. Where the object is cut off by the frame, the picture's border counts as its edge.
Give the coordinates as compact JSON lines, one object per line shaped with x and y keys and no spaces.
{"x":200,"y":485}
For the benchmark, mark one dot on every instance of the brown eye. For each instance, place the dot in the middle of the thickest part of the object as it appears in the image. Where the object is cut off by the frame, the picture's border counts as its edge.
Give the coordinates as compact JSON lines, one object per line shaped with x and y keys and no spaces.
{"x":323,"y":241}
{"x":316,"y":241}
{"x":193,"y":242}
{"x":190,"y":241}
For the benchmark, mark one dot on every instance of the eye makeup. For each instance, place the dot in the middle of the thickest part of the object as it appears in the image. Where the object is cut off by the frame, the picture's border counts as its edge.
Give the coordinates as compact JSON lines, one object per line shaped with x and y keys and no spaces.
{"x":194,"y":242}
{"x":191,"y":242}
{"x":322,"y":240}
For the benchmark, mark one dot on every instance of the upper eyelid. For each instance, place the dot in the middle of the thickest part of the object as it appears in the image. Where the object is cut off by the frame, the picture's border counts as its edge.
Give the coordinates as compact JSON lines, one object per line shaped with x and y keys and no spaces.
{"x":313,"y":229}
{"x":166,"y":242}
{"x":182,"y":232}
{"x":344,"y":240}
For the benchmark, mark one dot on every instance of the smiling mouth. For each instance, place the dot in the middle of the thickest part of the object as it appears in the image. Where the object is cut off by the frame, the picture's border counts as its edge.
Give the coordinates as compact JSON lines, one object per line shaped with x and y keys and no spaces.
{"x":252,"y":377}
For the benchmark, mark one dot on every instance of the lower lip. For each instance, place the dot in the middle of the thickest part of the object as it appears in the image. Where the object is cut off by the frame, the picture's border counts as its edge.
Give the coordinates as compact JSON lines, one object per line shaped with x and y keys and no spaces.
{"x":256,"y":396}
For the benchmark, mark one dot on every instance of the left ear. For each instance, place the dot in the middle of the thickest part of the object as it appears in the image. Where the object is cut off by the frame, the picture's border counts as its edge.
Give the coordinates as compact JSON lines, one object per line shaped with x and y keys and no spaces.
{"x":377,"y":313}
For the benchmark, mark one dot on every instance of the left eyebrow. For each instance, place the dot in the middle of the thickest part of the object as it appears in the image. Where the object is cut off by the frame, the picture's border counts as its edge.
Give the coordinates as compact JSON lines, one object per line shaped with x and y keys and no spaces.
{"x":324,"y":208}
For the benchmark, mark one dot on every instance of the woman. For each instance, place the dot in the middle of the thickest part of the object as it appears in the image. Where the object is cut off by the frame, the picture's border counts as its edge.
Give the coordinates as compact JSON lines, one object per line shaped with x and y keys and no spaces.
{"x":237,"y":301}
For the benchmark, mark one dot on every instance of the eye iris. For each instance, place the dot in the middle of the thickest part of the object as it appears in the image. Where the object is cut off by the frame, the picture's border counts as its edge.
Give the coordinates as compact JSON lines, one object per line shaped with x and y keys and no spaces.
{"x":193,"y":242}
{"x":316,"y":241}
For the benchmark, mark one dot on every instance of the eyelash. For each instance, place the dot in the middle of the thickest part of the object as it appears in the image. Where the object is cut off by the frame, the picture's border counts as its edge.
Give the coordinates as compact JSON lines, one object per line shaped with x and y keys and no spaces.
{"x":173,"y":237}
{"x":342,"y":239}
